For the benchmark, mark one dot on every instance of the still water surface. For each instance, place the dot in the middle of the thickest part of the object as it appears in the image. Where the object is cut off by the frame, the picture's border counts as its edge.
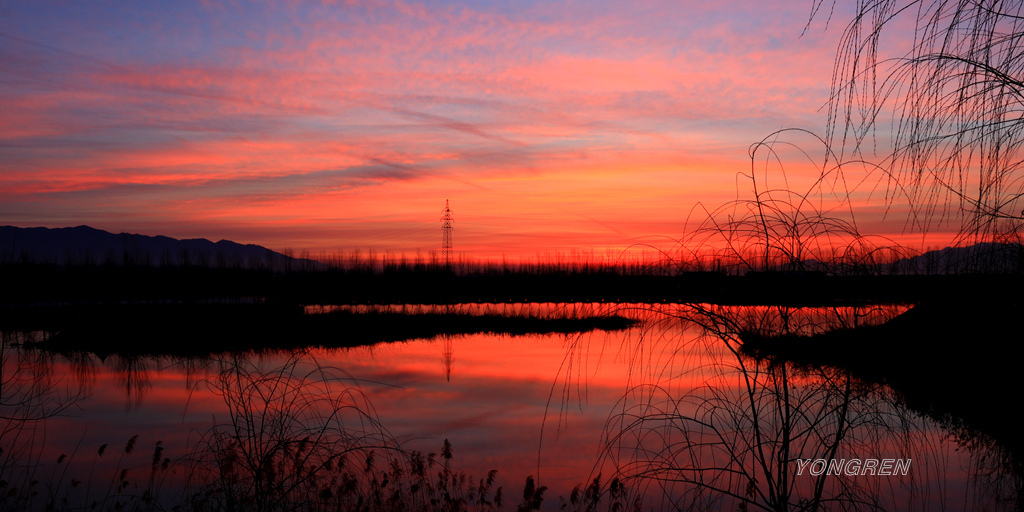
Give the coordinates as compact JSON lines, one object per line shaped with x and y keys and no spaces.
{"x":668,"y":402}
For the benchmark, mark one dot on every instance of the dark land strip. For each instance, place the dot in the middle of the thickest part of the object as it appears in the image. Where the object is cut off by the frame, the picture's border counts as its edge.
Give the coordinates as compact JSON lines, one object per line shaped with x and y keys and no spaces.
{"x":201,"y":329}
{"x":40,"y":284}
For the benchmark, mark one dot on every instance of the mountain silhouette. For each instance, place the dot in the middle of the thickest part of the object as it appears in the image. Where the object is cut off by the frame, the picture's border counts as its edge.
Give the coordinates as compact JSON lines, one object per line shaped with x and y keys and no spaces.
{"x":86,"y":245}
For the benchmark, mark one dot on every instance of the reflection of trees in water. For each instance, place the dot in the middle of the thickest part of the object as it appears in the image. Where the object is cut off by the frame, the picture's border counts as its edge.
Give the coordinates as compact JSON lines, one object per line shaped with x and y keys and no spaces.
{"x":727,"y":433}
{"x":133,"y":375}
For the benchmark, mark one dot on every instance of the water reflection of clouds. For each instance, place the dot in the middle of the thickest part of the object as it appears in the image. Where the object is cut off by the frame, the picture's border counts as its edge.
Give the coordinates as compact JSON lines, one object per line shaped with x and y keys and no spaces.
{"x":536,"y":403}
{"x":493,"y":408}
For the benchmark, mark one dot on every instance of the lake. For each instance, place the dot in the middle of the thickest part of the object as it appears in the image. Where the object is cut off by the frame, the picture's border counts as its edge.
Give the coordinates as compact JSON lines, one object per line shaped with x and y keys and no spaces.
{"x":670,"y":408}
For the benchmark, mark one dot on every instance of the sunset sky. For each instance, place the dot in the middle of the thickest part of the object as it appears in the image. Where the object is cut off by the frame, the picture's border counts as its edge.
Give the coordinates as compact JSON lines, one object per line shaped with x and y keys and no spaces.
{"x":551,"y":127}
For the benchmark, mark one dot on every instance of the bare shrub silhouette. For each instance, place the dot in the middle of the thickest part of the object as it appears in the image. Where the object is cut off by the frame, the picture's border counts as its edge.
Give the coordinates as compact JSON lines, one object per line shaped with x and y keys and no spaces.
{"x":732,"y":439}
{"x":301,"y":436}
{"x":285,"y":426}
{"x":795,"y":211}
{"x":924,"y":128}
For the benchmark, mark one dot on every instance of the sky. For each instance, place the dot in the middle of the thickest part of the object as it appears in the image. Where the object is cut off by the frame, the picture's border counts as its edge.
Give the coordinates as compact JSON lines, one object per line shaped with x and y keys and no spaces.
{"x":551,"y":127}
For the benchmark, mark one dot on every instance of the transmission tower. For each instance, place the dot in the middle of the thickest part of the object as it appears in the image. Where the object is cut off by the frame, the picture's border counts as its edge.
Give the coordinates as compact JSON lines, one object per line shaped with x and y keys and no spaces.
{"x":446,"y":236}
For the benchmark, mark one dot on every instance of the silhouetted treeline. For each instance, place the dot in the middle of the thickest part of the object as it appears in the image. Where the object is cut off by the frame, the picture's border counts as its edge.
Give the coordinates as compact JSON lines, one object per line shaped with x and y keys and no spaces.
{"x":200,"y":270}
{"x":387,"y":284}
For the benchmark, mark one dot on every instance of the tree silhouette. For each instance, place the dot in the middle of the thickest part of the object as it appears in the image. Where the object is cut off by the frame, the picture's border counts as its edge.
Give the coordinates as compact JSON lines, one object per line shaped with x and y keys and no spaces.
{"x":935,"y":89}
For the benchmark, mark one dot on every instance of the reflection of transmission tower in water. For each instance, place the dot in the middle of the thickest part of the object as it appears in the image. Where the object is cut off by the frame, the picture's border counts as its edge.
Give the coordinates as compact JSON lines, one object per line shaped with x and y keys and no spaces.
{"x":447,"y":355}
{"x":446,"y":236}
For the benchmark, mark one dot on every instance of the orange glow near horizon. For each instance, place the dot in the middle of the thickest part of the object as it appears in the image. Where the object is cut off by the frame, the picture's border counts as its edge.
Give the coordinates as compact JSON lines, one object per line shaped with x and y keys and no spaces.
{"x":550,"y":128}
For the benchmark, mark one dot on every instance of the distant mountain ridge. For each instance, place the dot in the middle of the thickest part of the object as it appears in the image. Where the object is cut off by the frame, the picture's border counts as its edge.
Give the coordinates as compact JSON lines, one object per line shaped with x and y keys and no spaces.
{"x":980,"y":257}
{"x":86,"y":245}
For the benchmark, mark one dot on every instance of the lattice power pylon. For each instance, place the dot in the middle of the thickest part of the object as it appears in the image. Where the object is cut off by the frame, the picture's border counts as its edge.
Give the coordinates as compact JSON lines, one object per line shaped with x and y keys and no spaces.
{"x":446,"y":236}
